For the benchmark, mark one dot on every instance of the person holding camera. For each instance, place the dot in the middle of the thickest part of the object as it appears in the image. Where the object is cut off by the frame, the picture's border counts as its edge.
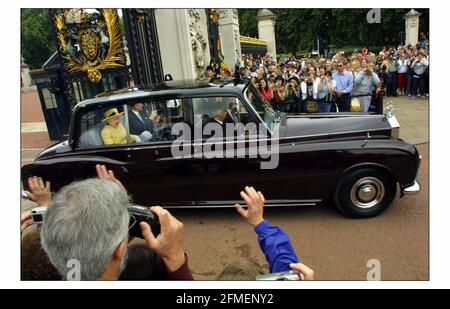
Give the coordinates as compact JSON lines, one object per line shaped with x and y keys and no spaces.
{"x":273,"y":241}
{"x":265,"y":90}
{"x":34,"y":261}
{"x":40,"y":194}
{"x":325,"y":86}
{"x":364,"y":81}
{"x":419,"y":66}
{"x":402,"y":73}
{"x":278,"y":92}
{"x":391,"y":78}
{"x":292,"y":95}
{"x":308,"y":89}
{"x":85,"y":231}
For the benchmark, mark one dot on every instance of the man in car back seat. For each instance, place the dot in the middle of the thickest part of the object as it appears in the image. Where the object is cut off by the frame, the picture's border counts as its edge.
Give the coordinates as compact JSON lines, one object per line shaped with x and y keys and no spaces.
{"x":139,"y":122}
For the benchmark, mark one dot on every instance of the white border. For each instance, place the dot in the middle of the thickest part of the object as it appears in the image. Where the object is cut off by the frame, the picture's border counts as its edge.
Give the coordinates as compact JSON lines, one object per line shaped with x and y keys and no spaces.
{"x":440,"y":104}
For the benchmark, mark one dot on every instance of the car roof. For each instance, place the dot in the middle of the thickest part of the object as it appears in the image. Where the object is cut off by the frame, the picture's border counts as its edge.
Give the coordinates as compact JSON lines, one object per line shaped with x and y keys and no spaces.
{"x":172,"y":88}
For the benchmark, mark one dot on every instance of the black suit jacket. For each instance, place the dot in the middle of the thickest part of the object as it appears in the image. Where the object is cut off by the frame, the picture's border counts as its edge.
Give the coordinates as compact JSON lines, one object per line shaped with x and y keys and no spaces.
{"x":137,"y":126}
{"x":213,"y":120}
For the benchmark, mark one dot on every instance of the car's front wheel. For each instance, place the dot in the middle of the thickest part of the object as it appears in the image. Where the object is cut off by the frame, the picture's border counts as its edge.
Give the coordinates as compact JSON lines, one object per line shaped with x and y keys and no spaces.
{"x":365,"y":193}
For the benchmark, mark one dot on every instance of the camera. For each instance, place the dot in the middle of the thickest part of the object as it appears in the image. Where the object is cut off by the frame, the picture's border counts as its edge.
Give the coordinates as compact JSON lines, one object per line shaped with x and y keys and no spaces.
{"x":137,"y":214}
{"x":291,"y":275}
{"x":24,"y":194}
{"x":142,"y":214}
{"x":38,"y":214}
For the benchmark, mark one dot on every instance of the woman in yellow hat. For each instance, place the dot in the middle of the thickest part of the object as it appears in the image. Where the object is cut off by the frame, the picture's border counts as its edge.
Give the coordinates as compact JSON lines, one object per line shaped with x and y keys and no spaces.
{"x":114,"y":133}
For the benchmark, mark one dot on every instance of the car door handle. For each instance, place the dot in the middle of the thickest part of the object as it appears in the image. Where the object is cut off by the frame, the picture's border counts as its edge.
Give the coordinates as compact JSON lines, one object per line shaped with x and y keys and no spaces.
{"x":367,"y":139}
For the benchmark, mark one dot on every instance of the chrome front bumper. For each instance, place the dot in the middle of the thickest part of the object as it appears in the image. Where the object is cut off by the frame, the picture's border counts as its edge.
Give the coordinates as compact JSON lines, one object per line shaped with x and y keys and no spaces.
{"x":411,"y":189}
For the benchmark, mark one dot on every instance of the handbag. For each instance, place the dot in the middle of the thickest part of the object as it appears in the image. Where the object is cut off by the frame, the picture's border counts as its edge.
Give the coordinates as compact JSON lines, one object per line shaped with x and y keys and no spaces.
{"x":311,"y":107}
{"x":355,"y":106}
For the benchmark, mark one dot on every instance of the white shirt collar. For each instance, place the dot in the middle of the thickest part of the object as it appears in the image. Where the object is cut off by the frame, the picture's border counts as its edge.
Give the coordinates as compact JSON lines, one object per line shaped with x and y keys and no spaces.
{"x":137,"y":114}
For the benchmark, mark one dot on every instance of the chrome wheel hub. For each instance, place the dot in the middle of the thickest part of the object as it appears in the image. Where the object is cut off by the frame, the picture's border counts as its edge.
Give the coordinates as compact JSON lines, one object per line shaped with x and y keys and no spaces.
{"x":367,"y":192}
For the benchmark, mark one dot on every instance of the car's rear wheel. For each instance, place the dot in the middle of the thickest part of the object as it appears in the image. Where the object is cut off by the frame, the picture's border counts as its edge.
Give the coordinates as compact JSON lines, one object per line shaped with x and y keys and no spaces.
{"x":365,"y":193}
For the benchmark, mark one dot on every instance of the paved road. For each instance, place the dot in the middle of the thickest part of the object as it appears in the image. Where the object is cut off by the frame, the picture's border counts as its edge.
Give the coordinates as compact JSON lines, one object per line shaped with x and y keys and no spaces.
{"x":337,"y":248}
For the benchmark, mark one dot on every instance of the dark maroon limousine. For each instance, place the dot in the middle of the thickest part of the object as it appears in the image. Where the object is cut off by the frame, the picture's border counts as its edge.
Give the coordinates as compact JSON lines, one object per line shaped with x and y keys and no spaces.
{"x":354,"y":159}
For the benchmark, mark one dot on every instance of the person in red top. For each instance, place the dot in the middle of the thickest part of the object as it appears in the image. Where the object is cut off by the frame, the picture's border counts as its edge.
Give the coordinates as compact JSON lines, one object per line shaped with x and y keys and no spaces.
{"x":265,"y":90}
{"x":364,"y":51}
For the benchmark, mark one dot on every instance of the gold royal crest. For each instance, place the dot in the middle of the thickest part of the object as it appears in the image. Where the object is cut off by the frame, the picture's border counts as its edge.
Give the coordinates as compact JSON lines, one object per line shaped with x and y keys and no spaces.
{"x":90,"y":42}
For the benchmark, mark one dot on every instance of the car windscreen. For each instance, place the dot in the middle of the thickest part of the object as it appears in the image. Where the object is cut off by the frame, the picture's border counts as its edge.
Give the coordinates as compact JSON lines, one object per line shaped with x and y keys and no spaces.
{"x":264,"y":111}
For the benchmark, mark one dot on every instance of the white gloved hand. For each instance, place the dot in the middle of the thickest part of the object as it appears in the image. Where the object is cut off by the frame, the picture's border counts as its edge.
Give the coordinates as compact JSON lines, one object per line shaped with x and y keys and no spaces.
{"x":145,"y":136}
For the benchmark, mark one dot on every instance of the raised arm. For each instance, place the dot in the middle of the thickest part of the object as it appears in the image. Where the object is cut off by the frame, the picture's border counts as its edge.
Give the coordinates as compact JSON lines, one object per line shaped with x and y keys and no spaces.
{"x":273,"y":241}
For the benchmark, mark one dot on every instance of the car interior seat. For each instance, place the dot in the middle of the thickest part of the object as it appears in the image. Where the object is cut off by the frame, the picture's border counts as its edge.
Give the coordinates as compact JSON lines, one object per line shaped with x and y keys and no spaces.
{"x":92,"y":138}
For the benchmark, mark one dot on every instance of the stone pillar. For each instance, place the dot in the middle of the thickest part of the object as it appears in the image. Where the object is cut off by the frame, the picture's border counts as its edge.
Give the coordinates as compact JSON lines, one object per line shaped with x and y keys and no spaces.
{"x":24,"y":74}
{"x":229,"y":33}
{"x":183,"y":42}
{"x":266,"y":30}
{"x":412,"y":27}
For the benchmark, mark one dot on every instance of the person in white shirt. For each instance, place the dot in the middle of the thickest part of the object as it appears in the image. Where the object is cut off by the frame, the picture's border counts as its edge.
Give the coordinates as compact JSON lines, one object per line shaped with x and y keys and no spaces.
{"x":402,"y":73}
{"x":364,"y":81}
{"x":419,"y":66}
{"x":308,"y":90}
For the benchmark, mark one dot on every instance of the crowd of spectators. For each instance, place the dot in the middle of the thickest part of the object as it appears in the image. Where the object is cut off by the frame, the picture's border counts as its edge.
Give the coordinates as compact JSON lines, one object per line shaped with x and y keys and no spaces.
{"x":328,"y":82}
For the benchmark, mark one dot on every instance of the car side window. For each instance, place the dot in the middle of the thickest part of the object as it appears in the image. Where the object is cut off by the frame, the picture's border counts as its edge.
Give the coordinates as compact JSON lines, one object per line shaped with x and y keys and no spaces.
{"x":103,"y":127}
{"x":220,"y":111}
{"x":152,"y":121}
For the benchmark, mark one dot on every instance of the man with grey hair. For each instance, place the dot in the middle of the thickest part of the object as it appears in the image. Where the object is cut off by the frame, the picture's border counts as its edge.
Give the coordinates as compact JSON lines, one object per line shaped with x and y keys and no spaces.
{"x":85,"y":231}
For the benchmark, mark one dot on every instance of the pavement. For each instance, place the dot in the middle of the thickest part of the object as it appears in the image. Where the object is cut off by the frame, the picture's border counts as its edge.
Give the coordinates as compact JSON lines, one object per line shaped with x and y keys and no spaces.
{"x":34,"y":136}
{"x":336,"y":248}
{"x":413,"y":116}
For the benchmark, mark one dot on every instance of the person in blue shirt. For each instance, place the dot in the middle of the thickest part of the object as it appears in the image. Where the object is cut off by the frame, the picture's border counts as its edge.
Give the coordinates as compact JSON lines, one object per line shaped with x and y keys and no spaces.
{"x":344,"y":86}
{"x":273,"y":241}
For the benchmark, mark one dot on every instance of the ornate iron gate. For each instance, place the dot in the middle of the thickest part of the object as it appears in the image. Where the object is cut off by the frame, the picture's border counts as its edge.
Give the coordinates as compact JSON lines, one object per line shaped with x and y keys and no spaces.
{"x":142,"y":40}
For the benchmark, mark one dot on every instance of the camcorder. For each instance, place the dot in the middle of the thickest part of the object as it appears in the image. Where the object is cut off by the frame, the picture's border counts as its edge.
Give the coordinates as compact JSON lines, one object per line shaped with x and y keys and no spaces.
{"x":138,"y":214}
{"x":291,"y":275}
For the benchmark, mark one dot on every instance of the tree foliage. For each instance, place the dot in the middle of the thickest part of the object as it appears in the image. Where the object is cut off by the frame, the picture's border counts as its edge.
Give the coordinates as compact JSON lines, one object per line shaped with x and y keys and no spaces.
{"x":295,"y":29}
{"x":37,"y":39}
